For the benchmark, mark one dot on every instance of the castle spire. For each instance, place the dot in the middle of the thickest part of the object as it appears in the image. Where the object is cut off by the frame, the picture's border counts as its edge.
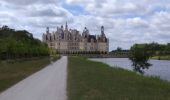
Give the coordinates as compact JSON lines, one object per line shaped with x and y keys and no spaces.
{"x":102,"y":31}
{"x":66,"y":27}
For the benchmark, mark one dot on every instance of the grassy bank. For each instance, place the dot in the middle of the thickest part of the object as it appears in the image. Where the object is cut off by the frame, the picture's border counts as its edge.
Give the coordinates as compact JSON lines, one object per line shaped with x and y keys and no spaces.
{"x":161,"y":57}
{"x":88,"y":80}
{"x":12,"y":72}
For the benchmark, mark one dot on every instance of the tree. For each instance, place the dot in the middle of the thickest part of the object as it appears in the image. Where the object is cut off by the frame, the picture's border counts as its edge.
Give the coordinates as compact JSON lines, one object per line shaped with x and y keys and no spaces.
{"x":119,"y":49}
{"x":20,"y":44}
{"x":139,"y":55}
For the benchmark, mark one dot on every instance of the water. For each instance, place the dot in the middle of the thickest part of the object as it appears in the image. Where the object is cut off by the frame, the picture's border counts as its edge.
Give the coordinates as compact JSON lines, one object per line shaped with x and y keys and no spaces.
{"x":159,"y":68}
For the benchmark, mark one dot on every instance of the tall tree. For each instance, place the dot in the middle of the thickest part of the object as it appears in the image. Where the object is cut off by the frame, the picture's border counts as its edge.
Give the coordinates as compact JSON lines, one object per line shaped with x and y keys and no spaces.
{"x":139,"y":55}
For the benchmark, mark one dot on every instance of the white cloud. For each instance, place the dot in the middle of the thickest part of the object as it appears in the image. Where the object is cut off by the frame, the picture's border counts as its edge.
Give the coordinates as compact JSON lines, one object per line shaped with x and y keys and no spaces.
{"x":109,"y":8}
{"x":161,"y":21}
{"x":137,"y":22}
{"x":126,"y":21}
{"x":29,"y":2}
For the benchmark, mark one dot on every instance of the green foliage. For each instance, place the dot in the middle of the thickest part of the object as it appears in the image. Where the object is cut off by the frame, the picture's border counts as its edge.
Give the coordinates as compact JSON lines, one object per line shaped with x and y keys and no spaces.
{"x":139,"y":55}
{"x":159,"y":49}
{"x":119,"y":52}
{"x":20,"y":44}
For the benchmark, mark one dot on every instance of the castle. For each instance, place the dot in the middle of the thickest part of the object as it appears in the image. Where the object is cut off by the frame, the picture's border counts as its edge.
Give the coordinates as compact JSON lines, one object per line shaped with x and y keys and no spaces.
{"x":71,"y":41}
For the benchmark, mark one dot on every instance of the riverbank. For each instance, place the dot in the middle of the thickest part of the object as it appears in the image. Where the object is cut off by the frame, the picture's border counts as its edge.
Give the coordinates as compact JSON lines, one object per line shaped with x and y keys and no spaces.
{"x":161,"y":57}
{"x":97,"y":55}
{"x":88,"y":80}
{"x":14,"y":71}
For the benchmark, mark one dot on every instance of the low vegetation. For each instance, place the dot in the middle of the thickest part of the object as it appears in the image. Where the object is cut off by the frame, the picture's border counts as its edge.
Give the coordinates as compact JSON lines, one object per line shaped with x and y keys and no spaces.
{"x":89,"y":80}
{"x":14,"y":71}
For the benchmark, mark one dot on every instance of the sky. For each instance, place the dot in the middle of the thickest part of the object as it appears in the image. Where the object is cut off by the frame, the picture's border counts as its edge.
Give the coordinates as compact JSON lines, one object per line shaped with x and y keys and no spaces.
{"x":126,"y":22}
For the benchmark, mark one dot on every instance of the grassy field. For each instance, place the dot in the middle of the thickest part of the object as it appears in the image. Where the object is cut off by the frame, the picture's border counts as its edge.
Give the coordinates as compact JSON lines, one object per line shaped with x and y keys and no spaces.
{"x":161,"y":57}
{"x":88,"y":80}
{"x":11,"y":73}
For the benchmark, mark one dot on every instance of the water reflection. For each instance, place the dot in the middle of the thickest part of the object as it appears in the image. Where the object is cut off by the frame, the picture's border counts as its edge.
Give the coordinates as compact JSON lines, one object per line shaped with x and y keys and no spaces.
{"x":160,"y":68}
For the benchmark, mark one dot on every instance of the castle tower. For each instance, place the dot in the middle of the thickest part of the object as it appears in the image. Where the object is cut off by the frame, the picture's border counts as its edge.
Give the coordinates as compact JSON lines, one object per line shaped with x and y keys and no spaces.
{"x":47,"y":30}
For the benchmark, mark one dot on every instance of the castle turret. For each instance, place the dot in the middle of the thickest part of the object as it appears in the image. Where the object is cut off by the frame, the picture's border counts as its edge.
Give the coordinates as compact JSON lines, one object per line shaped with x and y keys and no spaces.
{"x":102,"y":31}
{"x":85,"y":32}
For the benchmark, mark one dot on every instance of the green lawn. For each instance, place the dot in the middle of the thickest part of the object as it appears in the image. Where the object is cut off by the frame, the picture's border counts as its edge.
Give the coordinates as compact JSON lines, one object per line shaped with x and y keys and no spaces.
{"x":161,"y":57}
{"x":89,"y":80}
{"x":11,"y":73}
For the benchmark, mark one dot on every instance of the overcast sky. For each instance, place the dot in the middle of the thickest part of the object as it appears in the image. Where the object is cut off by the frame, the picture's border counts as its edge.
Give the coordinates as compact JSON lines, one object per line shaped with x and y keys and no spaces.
{"x":126,"y":21}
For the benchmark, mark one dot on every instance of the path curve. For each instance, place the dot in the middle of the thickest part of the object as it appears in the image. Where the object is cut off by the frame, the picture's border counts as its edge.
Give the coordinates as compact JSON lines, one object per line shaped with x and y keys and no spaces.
{"x":47,"y":84}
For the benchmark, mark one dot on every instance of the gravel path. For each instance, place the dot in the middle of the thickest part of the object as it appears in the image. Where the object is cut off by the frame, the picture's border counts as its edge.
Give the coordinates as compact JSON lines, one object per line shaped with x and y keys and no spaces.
{"x":47,"y":84}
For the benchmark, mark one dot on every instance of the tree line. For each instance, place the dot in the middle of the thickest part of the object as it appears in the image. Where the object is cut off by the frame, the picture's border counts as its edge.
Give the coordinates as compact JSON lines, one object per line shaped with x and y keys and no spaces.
{"x":159,"y":49}
{"x":20,"y":44}
{"x":155,"y":49}
{"x":120,"y":52}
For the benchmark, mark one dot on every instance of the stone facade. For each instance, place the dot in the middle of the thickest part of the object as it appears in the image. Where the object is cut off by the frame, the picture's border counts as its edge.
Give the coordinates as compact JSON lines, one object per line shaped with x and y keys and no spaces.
{"x":66,"y":40}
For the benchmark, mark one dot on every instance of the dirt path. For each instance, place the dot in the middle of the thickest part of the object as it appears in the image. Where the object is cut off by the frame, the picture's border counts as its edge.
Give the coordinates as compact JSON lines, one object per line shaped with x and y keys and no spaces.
{"x":47,"y":84}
